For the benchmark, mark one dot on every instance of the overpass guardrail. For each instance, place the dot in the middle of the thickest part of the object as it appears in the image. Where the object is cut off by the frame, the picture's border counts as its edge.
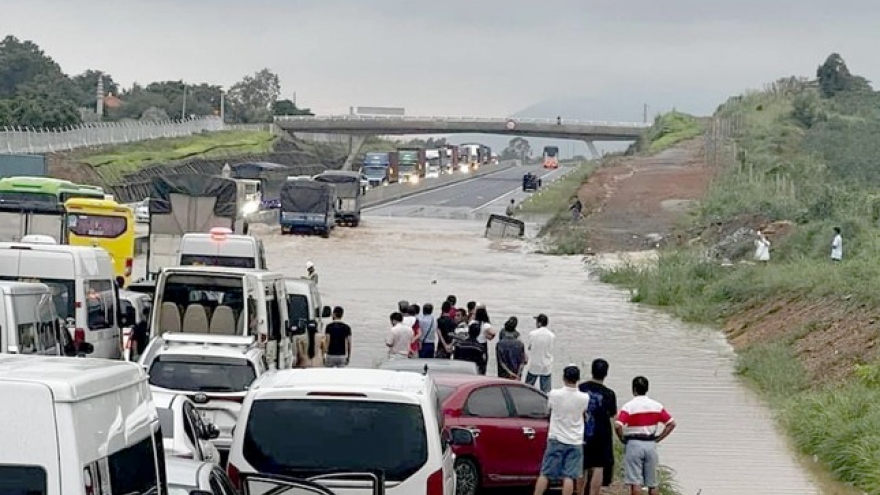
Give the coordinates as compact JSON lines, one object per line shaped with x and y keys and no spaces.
{"x":487,"y":120}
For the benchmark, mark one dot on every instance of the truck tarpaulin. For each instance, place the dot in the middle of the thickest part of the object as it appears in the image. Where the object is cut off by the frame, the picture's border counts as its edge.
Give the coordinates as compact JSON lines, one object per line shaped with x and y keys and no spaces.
{"x":307,"y":196}
{"x":181,"y":204}
{"x":348,"y":184}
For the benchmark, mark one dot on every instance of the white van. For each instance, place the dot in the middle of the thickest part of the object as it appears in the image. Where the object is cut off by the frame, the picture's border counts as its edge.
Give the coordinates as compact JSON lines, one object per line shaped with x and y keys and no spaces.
{"x":79,"y":427}
{"x":313,"y":422}
{"x":83,"y":287}
{"x":223,"y":301}
{"x":221,"y":247}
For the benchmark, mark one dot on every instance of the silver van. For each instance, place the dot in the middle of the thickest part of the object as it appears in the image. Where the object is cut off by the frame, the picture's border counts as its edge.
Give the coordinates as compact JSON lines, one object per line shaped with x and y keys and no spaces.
{"x":29,"y":323}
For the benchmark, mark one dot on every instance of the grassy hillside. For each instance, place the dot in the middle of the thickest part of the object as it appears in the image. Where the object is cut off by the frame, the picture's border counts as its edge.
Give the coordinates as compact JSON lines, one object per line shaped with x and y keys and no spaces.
{"x":111,"y":163}
{"x":806,"y":155}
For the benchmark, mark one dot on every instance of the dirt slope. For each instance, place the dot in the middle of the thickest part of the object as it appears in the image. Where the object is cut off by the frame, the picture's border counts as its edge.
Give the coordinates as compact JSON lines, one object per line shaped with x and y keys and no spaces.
{"x":637,"y":202}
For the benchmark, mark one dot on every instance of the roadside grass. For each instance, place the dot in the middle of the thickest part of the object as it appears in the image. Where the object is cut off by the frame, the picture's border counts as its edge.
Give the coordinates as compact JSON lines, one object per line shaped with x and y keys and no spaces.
{"x":112,"y":163}
{"x":668,"y":130}
{"x":817,"y":174}
{"x":556,"y":196}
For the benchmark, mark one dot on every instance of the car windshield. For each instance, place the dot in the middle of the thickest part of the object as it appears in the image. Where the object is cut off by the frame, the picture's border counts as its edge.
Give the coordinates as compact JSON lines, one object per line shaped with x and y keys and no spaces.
{"x":295,"y":437}
{"x":166,"y":421}
{"x":202,"y":373}
{"x":213,"y":260}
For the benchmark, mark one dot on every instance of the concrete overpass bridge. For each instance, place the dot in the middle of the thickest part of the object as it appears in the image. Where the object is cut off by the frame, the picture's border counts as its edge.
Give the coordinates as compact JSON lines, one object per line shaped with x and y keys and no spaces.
{"x":362,"y":126}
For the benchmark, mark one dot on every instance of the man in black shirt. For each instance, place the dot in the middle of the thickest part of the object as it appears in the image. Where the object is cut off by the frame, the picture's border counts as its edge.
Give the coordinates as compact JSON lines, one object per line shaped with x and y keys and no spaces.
{"x":338,"y":334}
{"x":471,"y":350}
{"x":598,"y":447}
{"x":140,"y":335}
{"x":446,"y":334}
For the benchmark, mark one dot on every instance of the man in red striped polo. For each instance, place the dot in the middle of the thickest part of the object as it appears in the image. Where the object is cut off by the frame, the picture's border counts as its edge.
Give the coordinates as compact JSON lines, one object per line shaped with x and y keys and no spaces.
{"x":638,"y":426}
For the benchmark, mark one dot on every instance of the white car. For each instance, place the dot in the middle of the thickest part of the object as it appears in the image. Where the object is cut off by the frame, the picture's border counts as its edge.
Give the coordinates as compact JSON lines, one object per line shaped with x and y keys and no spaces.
{"x":184,"y":433}
{"x":339,"y":422}
{"x":214,"y":370}
{"x":142,"y":212}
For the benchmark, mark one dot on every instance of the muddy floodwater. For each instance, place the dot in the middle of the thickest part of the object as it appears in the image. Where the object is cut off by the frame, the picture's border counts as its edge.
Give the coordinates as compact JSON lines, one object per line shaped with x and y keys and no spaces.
{"x":725,"y":443}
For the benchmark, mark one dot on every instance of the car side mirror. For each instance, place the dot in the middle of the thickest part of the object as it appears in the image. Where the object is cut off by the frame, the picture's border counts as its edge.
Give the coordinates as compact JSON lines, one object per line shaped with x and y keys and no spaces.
{"x":211,"y":432}
{"x":325,"y":313}
{"x":460,"y":436}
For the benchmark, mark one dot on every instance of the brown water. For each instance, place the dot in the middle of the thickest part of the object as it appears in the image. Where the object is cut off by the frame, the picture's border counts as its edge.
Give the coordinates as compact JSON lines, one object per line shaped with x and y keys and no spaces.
{"x":725,"y":443}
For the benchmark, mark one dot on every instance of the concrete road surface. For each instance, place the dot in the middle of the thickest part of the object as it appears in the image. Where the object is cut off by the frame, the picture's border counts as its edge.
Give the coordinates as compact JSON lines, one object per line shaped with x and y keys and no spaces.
{"x":472,"y":199}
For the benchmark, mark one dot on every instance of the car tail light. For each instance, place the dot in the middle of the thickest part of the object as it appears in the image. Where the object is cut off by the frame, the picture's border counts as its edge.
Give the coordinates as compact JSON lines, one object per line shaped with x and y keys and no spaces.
{"x":79,"y":335}
{"x":234,"y":474}
{"x":435,"y":483}
{"x":128,"y":264}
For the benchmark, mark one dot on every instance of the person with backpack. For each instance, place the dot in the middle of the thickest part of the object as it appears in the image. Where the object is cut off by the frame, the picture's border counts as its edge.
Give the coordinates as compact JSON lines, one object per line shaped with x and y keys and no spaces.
{"x":428,"y":332}
{"x":598,"y":432}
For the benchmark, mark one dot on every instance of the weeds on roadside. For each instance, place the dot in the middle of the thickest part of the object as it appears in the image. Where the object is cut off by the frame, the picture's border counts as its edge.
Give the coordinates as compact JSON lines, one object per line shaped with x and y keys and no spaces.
{"x":556,"y":196}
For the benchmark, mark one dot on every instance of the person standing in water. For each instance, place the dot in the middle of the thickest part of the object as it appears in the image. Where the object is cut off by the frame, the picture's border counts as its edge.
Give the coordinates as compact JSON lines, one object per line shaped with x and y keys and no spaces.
{"x":311,"y":272}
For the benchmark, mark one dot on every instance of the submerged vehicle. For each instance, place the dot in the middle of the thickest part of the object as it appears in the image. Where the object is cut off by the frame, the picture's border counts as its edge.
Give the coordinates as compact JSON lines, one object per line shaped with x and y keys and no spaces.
{"x":348,"y":195}
{"x":307,"y":206}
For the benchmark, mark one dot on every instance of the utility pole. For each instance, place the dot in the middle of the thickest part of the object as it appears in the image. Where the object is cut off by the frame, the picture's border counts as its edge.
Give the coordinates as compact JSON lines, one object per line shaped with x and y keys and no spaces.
{"x":183,"y":110}
{"x":222,"y":106}
{"x":645,"y":117}
{"x":99,"y":94}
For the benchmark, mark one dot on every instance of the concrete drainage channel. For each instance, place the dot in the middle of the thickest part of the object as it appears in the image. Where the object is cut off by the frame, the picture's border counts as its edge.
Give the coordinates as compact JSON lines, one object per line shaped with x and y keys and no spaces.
{"x":378,"y":196}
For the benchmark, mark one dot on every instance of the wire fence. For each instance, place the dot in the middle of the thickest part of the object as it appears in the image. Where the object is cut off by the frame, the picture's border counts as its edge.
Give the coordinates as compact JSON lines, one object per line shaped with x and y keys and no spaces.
{"x":20,"y":140}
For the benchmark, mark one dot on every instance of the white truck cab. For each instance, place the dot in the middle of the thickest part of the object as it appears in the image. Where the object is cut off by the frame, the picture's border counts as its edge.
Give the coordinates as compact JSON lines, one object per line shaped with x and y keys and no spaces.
{"x":223,"y":301}
{"x":220,"y":247}
{"x":78,"y":427}
{"x":83,"y":285}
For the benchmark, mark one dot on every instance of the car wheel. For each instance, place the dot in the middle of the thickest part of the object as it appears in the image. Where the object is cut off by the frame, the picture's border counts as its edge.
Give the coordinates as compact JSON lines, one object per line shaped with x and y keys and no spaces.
{"x":467,"y":476}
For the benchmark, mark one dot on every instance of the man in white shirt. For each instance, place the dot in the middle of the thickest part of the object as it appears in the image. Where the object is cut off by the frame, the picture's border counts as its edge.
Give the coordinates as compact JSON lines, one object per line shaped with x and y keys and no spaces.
{"x":399,"y":338}
{"x":837,"y":246}
{"x":564,"y":456}
{"x":540,"y":347}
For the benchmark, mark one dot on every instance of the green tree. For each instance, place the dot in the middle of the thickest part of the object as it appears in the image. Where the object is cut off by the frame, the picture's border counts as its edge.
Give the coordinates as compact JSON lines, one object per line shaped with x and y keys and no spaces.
{"x":253,"y":98}
{"x":86,"y":85}
{"x":288,"y":107}
{"x":807,"y":109}
{"x":834,"y":77}
{"x":518,"y":149}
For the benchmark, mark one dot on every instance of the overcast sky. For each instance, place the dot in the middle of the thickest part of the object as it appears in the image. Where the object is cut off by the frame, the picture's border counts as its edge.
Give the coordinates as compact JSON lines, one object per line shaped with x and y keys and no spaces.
{"x":460,"y":57}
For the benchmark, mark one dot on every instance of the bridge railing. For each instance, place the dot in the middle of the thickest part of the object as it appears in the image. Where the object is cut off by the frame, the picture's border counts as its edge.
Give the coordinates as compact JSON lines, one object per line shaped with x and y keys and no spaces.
{"x":487,"y":120}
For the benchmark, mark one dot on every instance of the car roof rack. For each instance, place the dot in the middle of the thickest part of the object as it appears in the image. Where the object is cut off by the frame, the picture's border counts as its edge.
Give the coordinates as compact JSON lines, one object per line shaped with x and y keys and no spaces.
{"x":209,"y":340}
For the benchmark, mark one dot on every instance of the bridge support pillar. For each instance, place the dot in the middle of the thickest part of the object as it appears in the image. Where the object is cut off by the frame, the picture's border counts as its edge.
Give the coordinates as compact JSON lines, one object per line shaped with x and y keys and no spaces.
{"x":593,"y":151}
{"x":355,"y":142}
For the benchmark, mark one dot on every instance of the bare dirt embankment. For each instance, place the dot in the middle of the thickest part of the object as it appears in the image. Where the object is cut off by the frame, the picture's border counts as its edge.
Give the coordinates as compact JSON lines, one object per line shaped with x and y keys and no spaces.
{"x":637,"y":203}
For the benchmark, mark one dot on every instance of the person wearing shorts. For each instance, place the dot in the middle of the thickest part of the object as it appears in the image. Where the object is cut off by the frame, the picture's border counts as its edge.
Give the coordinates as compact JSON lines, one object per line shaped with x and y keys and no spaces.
{"x":564,"y":455}
{"x":638,"y":427}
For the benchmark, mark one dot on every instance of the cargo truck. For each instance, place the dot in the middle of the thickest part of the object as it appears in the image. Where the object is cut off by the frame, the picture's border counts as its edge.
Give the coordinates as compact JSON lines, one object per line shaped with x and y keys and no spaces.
{"x":380,"y":168}
{"x":307,"y":206}
{"x":434,"y":163}
{"x":411,"y":164}
{"x":451,"y":159}
{"x":348,"y":195}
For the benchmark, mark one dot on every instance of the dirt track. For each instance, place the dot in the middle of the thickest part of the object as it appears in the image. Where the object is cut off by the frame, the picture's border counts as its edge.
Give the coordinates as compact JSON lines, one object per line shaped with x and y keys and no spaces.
{"x":634,"y":203}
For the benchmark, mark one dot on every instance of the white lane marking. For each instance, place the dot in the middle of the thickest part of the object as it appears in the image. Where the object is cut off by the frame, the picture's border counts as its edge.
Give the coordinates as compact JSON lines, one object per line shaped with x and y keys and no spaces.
{"x":514,"y":191}
{"x":416,"y":195}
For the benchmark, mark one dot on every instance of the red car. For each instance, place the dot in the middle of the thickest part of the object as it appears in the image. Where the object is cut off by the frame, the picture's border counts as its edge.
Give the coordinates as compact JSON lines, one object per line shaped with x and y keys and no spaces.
{"x":509,"y":421}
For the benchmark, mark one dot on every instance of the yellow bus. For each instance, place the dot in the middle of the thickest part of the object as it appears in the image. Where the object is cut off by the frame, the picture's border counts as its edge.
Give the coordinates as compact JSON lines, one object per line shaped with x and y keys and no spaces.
{"x":106,"y":224}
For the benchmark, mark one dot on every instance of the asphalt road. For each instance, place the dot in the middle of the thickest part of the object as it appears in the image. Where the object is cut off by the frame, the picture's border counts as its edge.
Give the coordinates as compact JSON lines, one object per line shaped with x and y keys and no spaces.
{"x":471,"y":199}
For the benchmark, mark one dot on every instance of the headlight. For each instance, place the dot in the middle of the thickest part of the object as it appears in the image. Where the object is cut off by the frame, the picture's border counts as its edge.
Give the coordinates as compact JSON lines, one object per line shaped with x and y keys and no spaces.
{"x":250,"y":207}
{"x":415,"y":178}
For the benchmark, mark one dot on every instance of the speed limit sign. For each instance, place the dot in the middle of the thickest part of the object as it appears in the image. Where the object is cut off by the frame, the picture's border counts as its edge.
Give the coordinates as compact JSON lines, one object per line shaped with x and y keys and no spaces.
{"x":511,"y":125}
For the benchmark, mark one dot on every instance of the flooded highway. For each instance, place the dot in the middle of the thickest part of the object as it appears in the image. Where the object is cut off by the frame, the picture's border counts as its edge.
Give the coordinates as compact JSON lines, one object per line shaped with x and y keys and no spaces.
{"x":726,"y":442}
